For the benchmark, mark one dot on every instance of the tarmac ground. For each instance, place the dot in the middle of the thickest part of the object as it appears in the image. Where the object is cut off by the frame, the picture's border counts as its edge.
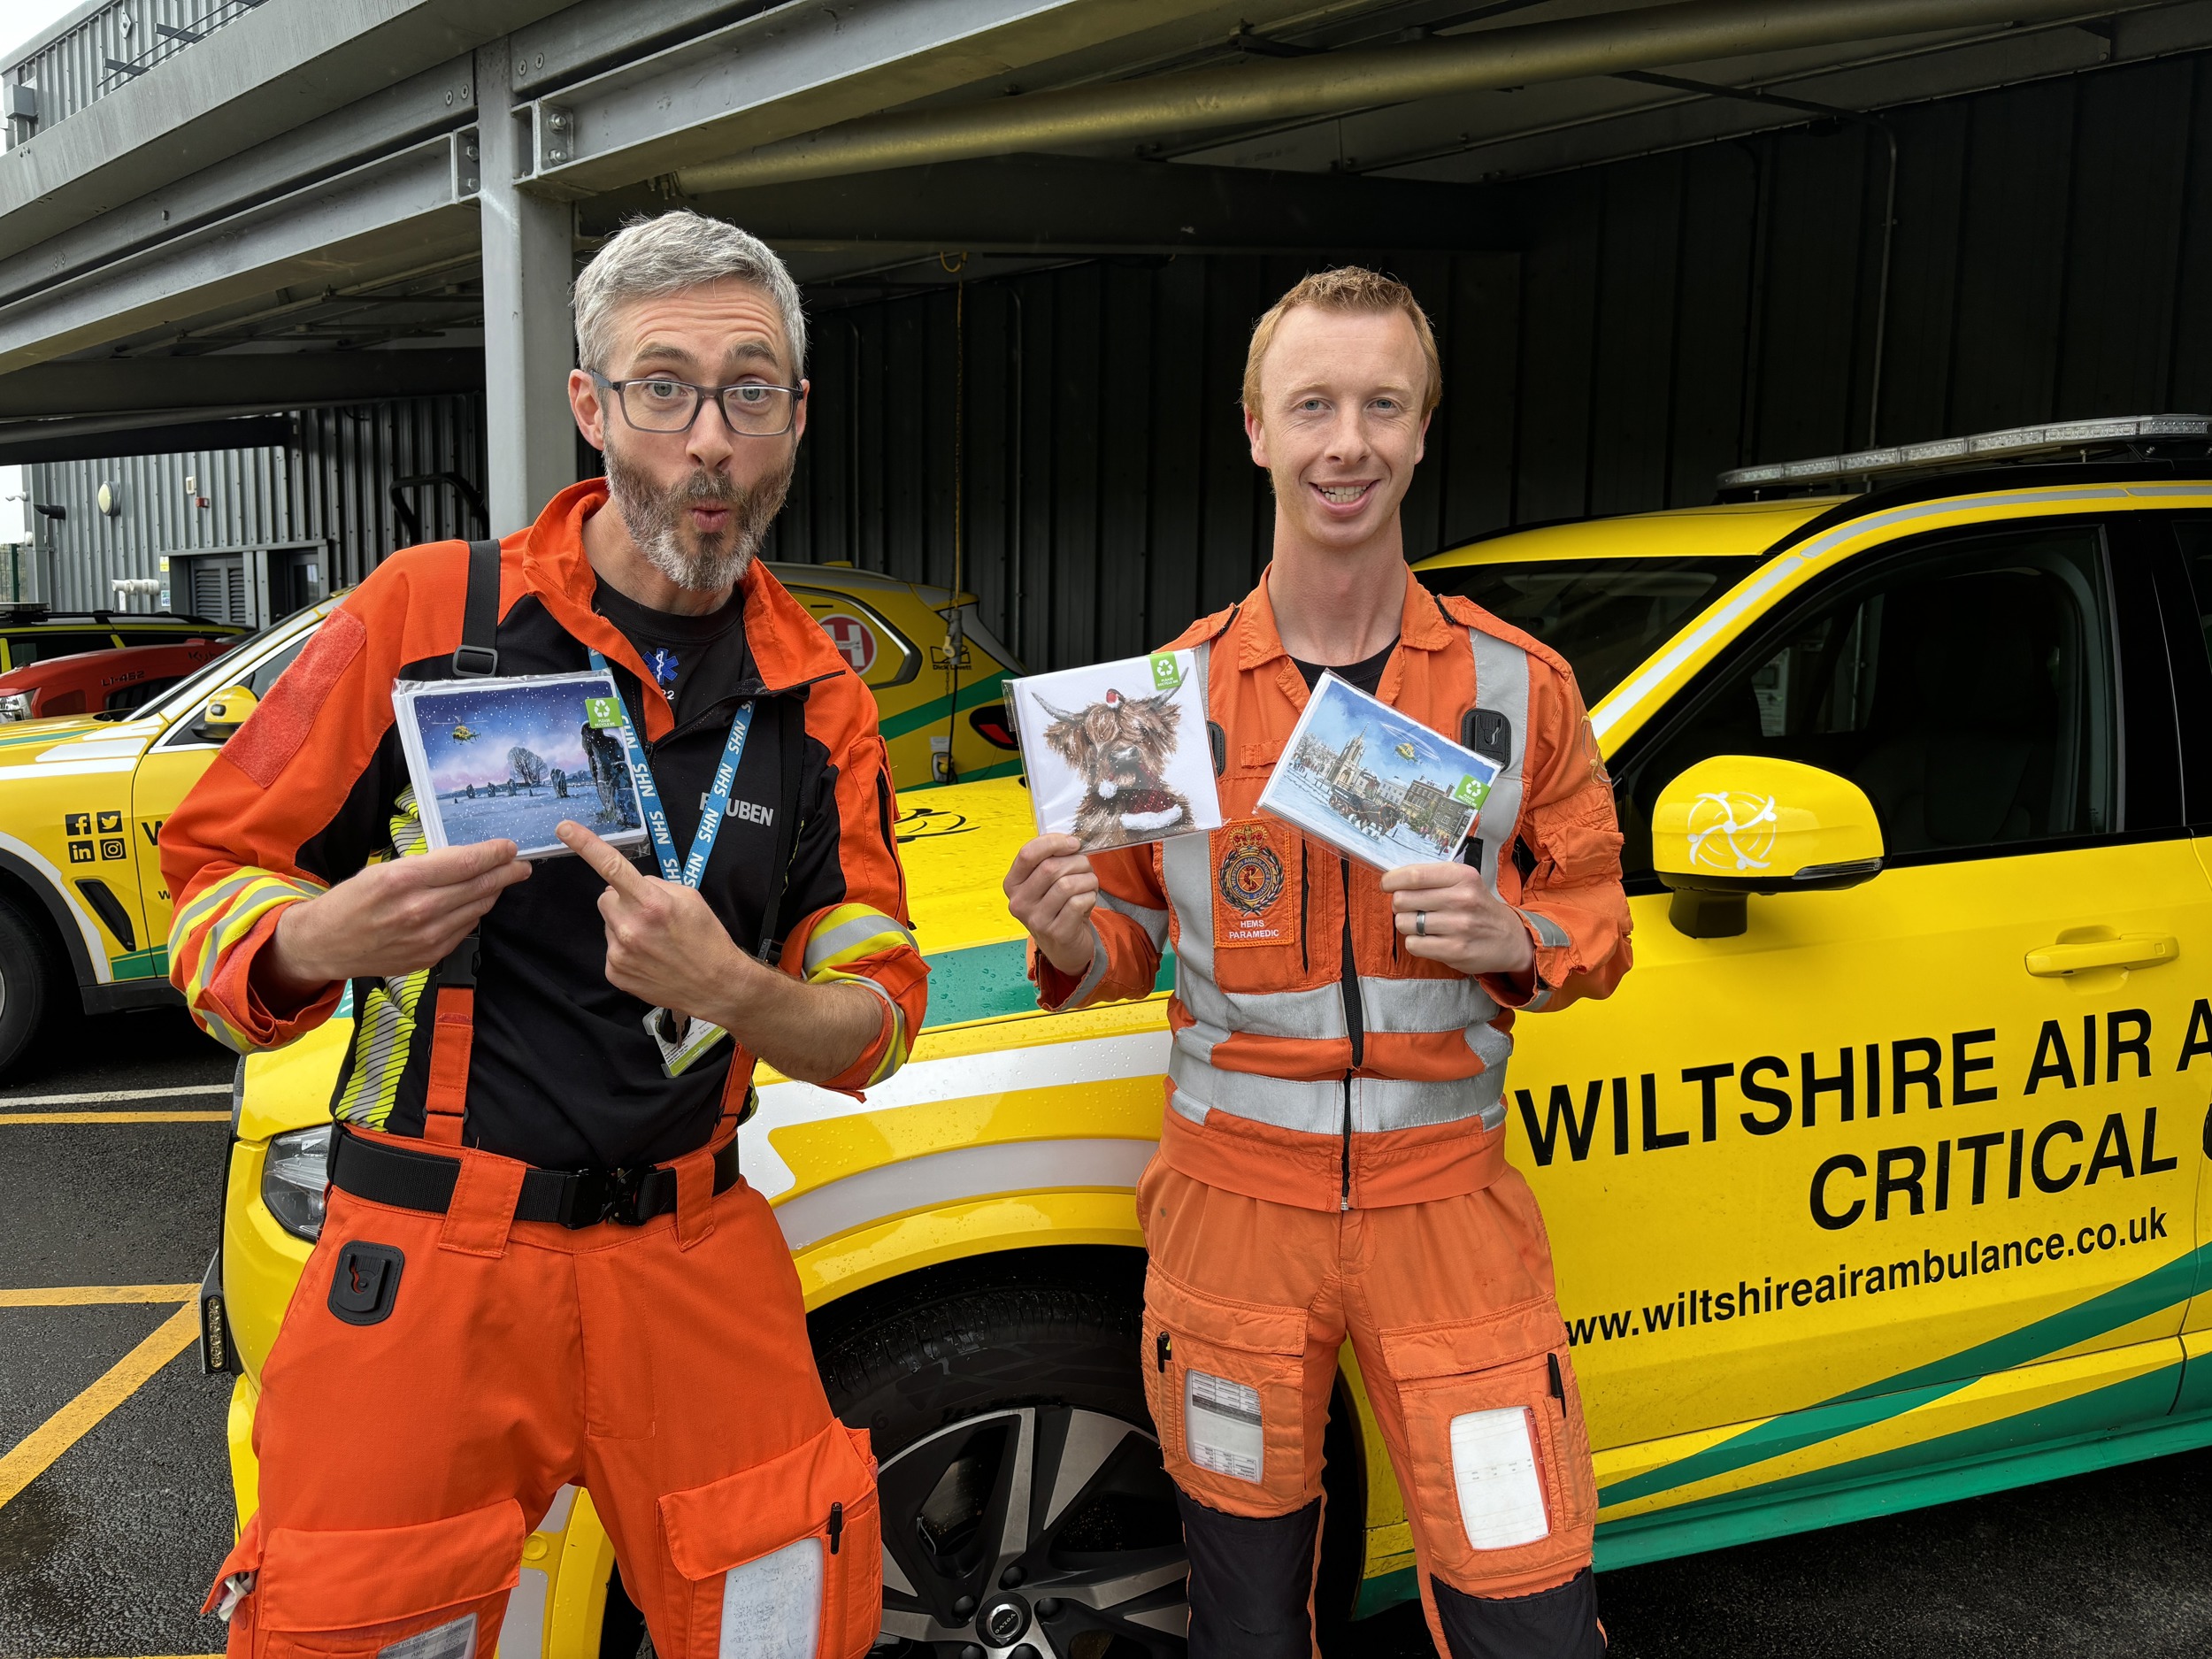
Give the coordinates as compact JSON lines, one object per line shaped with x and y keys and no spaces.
{"x":115,"y":1505}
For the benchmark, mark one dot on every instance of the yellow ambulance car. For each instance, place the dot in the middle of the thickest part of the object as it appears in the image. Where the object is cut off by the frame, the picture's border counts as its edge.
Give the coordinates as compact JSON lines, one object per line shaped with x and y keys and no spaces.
{"x":82,"y":798}
{"x":1877,"y":1183}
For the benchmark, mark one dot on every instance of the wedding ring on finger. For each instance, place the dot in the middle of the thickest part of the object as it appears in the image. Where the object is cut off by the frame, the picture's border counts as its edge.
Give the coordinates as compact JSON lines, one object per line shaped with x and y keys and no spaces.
{"x":1421,"y":922}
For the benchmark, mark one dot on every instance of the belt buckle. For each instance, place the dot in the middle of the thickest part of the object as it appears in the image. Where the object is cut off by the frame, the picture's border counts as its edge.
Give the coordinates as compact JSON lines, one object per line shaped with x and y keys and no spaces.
{"x":597,"y":1195}
{"x":625,"y":1189}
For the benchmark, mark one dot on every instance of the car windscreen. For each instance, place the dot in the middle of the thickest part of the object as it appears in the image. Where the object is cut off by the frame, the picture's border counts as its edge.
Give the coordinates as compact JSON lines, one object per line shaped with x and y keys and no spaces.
{"x":214,"y":676}
{"x":1604,"y":616}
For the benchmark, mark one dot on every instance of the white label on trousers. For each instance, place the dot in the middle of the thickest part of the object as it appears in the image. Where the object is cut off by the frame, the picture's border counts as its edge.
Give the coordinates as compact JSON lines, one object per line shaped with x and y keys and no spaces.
{"x":454,"y":1639}
{"x":1221,"y":1425}
{"x":1494,"y":1465}
{"x":771,"y":1608}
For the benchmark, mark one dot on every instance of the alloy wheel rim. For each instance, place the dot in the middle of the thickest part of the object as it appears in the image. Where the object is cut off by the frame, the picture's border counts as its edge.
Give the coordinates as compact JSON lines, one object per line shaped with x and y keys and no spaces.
{"x":1049,"y":1528}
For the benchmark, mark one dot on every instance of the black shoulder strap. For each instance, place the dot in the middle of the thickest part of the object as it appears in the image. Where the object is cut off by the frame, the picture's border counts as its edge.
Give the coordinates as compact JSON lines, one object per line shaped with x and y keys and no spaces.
{"x":791,"y":738}
{"x":476,"y":654}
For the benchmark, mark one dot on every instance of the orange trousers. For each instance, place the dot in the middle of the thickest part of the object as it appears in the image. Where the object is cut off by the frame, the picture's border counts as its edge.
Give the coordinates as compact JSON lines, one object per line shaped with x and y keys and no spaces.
{"x":438,"y":1378}
{"x":1449,"y":1308}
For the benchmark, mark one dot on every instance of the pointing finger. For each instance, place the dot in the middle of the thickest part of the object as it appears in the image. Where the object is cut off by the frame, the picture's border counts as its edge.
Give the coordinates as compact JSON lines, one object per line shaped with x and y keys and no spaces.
{"x":616,"y":870}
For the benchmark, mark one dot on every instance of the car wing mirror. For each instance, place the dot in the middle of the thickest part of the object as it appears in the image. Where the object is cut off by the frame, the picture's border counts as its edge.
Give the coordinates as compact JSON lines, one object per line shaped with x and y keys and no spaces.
{"x":1738,"y":824}
{"x":226,"y":713}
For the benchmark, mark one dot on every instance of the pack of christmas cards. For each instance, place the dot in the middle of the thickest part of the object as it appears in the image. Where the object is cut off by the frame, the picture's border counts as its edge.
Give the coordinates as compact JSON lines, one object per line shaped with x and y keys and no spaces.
{"x":513,"y":756}
{"x":1116,"y":753}
{"x":1375,"y":783}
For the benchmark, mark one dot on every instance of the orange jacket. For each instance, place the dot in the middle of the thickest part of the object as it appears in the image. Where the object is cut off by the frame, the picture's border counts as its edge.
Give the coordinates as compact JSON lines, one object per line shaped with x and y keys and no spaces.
{"x":1315,"y":1060}
{"x":560,"y":1070}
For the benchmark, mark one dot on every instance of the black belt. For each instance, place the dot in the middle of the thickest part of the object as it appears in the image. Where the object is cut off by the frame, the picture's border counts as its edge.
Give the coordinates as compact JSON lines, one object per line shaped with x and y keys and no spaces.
{"x":411,"y":1179}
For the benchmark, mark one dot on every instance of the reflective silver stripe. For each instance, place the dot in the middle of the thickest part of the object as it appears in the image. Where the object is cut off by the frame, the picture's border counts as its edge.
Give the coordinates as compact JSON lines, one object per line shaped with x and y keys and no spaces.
{"x":829,"y":941}
{"x":1535,"y":1002}
{"x":1550,"y":932}
{"x":1186,"y":871}
{"x":1153,"y":922}
{"x":1492,"y":1046}
{"x":1501,"y":683}
{"x":1316,"y":1105}
{"x":1092,"y":975}
{"x":1419,"y":1005}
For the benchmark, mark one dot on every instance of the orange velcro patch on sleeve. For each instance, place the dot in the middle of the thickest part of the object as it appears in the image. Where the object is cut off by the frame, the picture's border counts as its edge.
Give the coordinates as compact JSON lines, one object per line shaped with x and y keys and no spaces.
{"x":263,"y":747}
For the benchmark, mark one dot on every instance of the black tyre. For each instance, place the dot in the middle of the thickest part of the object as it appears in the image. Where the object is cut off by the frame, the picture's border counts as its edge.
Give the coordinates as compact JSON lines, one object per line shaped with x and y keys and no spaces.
{"x":30,"y":999}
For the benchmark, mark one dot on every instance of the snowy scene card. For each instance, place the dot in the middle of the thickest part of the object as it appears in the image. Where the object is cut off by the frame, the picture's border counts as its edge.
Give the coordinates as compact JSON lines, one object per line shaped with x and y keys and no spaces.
{"x":514,"y":756}
{"x":1116,"y":753}
{"x":1374,"y":783}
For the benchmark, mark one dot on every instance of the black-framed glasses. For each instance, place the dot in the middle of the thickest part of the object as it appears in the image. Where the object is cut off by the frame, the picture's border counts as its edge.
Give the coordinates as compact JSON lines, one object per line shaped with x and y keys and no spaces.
{"x":658,"y":402}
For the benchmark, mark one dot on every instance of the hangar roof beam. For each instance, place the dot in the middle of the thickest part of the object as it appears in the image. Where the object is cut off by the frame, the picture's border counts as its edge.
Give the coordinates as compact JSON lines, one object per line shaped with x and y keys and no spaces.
{"x":1289,"y":90}
{"x":401,"y":212}
{"x":793,"y":69}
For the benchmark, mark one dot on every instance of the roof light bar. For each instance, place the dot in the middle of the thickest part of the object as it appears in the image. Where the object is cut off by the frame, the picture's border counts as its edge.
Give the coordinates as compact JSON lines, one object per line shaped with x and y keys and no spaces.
{"x":2010,"y":442}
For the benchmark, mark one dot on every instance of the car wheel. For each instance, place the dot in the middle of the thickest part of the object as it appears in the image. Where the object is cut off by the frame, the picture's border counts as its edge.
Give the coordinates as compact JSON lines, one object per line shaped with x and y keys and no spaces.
{"x":26,"y":986}
{"x":1023,"y":1497}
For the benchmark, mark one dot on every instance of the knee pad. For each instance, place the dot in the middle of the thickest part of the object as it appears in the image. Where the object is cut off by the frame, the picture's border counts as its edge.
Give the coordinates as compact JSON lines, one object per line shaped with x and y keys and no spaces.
{"x":1561,"y":1623}
{"x":1251,"y":1581}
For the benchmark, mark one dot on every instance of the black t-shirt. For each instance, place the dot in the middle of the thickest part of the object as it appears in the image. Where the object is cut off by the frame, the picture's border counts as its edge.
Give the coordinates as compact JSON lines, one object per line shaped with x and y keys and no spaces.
{"x":1367,"y":675}
{"x":698,"y":660}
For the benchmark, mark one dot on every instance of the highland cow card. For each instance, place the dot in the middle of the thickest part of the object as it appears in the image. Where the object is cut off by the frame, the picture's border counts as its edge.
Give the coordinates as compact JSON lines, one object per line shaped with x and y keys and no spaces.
{"x":1375,"y":783}
{"x":513,"y":756}
{"x":1117,"y":754}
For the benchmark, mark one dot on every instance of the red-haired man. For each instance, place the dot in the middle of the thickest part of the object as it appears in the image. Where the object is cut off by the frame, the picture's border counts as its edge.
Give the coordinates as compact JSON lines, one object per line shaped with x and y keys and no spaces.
{"x":1331,"y":1162}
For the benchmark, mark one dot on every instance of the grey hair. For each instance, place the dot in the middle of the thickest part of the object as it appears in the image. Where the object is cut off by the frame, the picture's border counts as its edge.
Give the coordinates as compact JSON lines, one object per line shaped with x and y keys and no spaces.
{"x":681,"y":249}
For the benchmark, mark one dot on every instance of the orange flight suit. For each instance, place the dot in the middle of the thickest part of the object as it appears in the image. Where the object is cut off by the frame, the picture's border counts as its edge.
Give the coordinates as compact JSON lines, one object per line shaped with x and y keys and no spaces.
{"x":1333,"y":1159}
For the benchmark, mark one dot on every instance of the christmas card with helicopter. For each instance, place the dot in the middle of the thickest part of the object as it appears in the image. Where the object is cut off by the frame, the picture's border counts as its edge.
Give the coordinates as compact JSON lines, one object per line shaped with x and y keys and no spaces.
{"x":513,"y":756}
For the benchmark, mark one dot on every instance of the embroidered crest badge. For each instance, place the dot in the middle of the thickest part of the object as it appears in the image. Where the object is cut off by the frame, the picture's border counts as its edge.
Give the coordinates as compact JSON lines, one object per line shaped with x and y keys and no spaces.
{"x":1251,"y":875}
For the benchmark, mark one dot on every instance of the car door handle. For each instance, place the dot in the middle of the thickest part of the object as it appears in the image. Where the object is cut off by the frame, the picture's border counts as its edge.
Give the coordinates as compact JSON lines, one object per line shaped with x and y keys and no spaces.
{"x":2130,"y":951}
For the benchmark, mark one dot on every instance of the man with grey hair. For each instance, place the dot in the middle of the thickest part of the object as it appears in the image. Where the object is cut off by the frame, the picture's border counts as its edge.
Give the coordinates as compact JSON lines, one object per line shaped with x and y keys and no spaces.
{"x":539,"y":1268}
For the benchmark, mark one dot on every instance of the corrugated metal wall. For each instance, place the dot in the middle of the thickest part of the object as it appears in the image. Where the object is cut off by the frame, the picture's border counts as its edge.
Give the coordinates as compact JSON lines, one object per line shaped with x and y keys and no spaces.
{"x":1671,"y":316}
{"x":333,"y":488}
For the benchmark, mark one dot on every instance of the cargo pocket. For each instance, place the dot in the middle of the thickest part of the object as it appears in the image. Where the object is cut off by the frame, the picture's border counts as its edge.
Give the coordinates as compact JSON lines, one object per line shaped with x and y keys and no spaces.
{"x":1225,"y":1381}
{"x":1503,"y":1489}
{"x":785,"y":1559}
{"x":433,"y":1591}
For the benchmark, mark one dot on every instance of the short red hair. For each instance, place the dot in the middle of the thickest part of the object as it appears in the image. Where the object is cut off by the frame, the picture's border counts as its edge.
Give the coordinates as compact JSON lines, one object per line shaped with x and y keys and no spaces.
{"x":1347,"y":289}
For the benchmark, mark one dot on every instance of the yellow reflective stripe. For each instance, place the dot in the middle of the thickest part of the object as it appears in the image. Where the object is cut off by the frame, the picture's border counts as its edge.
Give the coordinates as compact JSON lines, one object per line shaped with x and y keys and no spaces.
{"x":894,"y":1051}
{"x":199,"y":909}
{"x":847,"y":934}
{"x":408,"y":838}
{"x":383,"y":1036}
{"x":223,"y":916}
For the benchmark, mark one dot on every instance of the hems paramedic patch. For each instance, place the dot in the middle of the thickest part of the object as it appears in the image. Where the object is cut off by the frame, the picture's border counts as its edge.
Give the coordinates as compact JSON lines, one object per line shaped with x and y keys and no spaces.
{"x":1249,"y":888}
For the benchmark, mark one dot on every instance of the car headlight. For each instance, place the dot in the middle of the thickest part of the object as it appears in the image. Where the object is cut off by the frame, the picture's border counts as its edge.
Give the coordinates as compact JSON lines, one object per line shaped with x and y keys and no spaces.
{"x":293,"y":1178}
{"x":15,"y":705}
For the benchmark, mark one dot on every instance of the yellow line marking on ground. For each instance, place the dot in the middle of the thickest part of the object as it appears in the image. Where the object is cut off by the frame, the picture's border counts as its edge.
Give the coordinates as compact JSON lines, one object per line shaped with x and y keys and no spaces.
{"x":35,"y":1452}
{"x":166,"y":1092}
{"x":96,"y":1295}
{"x":113,"y":1117}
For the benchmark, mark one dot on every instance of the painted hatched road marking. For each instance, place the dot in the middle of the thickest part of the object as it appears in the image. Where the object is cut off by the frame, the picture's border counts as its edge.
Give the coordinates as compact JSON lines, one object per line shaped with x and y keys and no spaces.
{"x":37,"y":1451}
{"x":114,"y":1118}
{"x":97,"y":1295}
{"x":166,"y":1092}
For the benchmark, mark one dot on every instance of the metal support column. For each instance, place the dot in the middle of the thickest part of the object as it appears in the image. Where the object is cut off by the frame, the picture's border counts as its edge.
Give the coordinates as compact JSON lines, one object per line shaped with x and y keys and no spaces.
{"x":529,"y":341}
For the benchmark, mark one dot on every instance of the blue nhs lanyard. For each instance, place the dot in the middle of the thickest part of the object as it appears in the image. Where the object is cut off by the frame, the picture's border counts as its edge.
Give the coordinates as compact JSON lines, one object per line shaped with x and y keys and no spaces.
{"x":694,"y":868}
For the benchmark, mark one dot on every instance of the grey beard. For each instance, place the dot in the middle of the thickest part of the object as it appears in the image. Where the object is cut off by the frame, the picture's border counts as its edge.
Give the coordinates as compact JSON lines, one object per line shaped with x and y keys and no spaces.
{"x":654,"y":518}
